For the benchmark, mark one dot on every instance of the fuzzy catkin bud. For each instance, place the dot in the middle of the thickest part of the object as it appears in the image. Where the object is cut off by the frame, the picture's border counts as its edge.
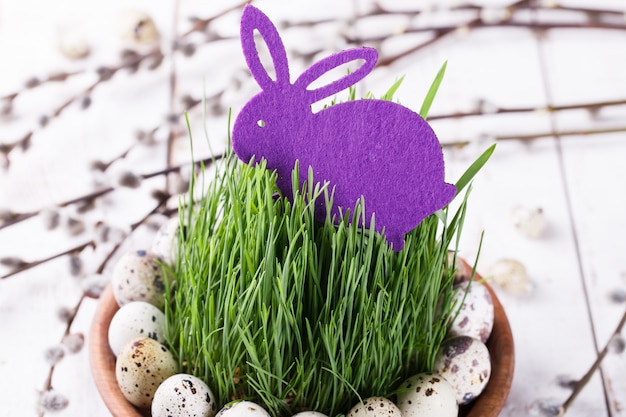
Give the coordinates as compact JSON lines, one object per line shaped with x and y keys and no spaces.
{"x":618,"y":296}
{"x":188,"y":101}
{"x":6,"y":107}
{"x":51,"y":218}
{"x":105,"y":73}
{"x":159,"y":195}
{"x":13,"y":262}
{"x":85,"y":205}
{"x":51,"y":400}
{"x":566,"y":381}
{"x":178,"y":184}
{"x":65,"y":314}
{"x":74,"y":342}
{"x":76,"y":264}
{"x":6,"y":215}
{"x":545,"y":408}
{"x":172,"y":118}
{"x":94,"y":285}
{"x":129,"y":179}
{"x":98,"y":165}
{"x":32,"y":82}
{"x":74,"y":226}
{"x":156,"y":62}
{"x":617,"y":344}
{"x":54,"y":354}
{"x":85,"y":102}
{"x":188,"y":49}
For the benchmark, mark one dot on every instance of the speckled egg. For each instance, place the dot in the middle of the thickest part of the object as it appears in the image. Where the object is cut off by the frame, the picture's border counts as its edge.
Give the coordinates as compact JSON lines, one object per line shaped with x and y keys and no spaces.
{"x":462,"y":271}
{"x":243,"y":409}
{"x":138,"y":276}
{"x":465,"y":363}
{"x":426,"y":395}
{"x":309,"y":414}
{"x":166,"y":241}
{"x":141,"y":366}
{"x":183,"y":395}
{"x":475,"y":318}
{"x":375,"y":407}
{"x":136,"y":319}
{"x":138,"y":27}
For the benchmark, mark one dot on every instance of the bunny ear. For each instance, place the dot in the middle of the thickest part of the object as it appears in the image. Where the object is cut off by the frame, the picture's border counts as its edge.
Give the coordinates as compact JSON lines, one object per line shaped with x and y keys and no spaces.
{"x":251,"y":20}
{"x":320,"y":68}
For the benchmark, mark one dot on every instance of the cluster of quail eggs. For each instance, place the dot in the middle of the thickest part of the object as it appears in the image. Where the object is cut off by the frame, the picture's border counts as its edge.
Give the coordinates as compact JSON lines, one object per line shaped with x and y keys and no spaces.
{"x":146,"y":371}
{"x":148,"y":377}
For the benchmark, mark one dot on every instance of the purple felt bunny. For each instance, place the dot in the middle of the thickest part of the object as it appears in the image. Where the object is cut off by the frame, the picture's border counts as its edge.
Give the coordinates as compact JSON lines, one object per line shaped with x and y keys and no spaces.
{"x":375,"y":149}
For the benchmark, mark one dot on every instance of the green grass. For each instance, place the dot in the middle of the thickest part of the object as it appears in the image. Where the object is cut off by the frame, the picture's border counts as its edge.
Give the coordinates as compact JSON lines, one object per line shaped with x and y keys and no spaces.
{"x":271,"y":306}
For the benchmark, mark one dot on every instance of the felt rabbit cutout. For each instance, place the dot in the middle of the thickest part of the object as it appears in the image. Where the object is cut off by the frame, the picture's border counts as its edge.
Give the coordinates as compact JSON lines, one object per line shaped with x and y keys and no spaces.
{"x":375,"y":149}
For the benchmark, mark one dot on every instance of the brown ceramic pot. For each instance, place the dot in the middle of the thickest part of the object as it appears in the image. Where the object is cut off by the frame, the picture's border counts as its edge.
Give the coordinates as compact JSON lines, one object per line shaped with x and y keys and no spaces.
{"x":488,"y":404}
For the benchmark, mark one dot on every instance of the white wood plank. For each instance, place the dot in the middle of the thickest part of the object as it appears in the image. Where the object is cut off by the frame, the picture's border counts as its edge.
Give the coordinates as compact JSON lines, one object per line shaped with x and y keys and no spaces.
{"x":588,"y":66}
{"x":597,"y":175}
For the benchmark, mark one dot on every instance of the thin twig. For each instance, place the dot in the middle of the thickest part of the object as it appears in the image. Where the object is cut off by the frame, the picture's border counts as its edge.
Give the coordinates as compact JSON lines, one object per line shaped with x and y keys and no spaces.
{"x":585,"y":379}
{"x":171,"y":136}
{"x":54,"y":77}
{"x":33,"y":264}
{"x":547,"y":109}
{"x":533,"y":136}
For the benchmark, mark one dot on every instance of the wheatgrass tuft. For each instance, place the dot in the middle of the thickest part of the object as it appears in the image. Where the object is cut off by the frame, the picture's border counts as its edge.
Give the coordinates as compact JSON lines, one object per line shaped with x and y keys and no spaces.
{"x":273,"y":306}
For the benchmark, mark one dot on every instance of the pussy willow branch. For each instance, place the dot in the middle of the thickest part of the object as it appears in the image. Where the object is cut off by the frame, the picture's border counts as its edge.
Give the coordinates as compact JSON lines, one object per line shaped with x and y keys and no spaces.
{"x":19,"y":217}
{"x":36,"y":82}
{"x":592,"y":13}
{"x":596,"y":364}
{"x":439,"y":35}
{"x":199,"y":25}
{"x":460,"y":143}
{"x":48,"y":383}
{"x":28,"y":265}
{"x":480,"y":24}
{"x":592,"y":106}
{"x":105,"y":74}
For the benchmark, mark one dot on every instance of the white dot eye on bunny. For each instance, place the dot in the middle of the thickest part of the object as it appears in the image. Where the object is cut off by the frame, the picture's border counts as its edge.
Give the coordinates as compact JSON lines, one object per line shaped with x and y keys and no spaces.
{"x":372,"y":149}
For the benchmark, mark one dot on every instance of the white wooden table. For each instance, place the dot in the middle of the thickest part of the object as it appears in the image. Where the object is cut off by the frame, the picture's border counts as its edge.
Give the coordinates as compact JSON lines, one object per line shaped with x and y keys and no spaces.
{"x":577,"y":268}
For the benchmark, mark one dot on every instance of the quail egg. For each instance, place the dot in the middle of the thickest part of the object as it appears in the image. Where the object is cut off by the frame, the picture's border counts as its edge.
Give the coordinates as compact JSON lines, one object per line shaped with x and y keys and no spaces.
{"x":141,"y":366}
{"x":475,"y":318}
{"x":138,"y":27}
{"x":243,"y":409}
{"x":375,"y":407}
{"x":166,"y":241}
{"x":309,"y":414}
{"x":183,"y":395}
{"x":426,"y":395}
{"x":465,"y":363}
{"x":138,"y":276}
{"x":136,"y":319}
